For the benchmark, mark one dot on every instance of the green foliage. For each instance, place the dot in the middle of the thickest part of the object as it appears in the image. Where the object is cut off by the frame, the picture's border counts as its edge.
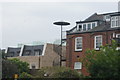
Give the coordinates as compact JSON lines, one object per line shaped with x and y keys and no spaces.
{"x":37,"y":73}
{"x":8,"y":69}
{"x":57,"y":72}
{"x":25,"y":75}
{"x":3,"y":55}
{"x":66,"y":73}
{"x":22,"y":66}
{"x":103,"y":63}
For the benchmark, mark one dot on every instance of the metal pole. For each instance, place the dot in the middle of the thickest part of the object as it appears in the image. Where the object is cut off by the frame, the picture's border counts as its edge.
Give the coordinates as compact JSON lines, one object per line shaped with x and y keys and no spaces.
{"x":61,"y":24}
{"x":61,"y":48}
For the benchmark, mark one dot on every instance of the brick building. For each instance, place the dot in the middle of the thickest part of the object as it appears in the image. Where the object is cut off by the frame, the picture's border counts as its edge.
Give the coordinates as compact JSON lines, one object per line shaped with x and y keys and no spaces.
{"x":95,"y":31}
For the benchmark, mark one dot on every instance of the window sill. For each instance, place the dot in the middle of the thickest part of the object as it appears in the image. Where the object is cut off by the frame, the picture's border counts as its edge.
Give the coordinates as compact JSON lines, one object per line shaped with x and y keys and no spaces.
{"x":114,"y":26}
{"x":78,"y":50}
{"x":97,"y":49}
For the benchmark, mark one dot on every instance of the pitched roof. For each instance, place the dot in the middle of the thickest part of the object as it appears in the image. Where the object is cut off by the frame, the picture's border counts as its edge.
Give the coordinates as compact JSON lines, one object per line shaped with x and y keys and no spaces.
{"x":32,"y":49}
{"x":13,"y":52}
{"x":103,"y":25}
{"x":94,"y":17}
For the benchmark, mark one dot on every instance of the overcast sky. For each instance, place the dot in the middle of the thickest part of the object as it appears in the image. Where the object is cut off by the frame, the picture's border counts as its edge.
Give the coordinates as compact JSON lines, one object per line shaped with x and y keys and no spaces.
{"x":27,"y":22}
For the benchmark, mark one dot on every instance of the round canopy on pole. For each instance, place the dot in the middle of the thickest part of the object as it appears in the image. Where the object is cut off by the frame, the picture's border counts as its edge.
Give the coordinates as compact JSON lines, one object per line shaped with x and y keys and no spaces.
{"x":61,"y":23}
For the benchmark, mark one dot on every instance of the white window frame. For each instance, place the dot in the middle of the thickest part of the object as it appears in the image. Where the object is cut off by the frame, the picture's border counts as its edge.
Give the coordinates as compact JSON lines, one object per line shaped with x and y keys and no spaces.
{"x":117,"y":35}
{"x":115,"y":20}
{"x":106,"y":17}
{"x":78,"y":27}
{"x":31,"y":65}
{"x":90,"y":26}
{"x":76,"y":43}
{"x":85,"y":26}
{"x":95,"y":42}
{"x":78,"y":65}
{"x":95,"y":24}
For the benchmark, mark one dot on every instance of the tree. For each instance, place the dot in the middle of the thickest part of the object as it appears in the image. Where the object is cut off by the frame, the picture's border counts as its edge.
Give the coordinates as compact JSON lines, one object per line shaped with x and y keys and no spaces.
{"x":22,"y":66}
{"x":103,"y":63}
{"x":25,"y":75}
{"x":8,"y":69}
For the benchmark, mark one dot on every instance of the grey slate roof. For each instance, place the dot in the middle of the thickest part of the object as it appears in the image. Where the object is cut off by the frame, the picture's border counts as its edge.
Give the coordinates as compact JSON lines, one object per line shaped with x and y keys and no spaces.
{"x":103,"y":26}
{"x":13,"y":52}
{"x":94,"y":17}
{"x":32,"y":49}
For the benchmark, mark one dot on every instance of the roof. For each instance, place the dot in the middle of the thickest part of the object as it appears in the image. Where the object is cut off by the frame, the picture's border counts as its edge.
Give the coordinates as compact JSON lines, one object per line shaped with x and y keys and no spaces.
{"x":94,"y":17}
{"x":116,"y":14}
{"x":32,"y":49}
{"x":102,"y":25}
{"x":13,"y":52}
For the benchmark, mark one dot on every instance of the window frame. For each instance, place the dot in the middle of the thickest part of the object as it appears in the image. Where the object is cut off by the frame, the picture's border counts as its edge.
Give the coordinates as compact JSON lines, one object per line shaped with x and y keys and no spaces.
{"x":115,"y":19}
{"x":89,"y":26}
{"x":37,"y":51}
{"x":107,"y":17}
{"x":92,"y":24}
{"x":84,"y":25}
{"x":27,"y":52}
{"x":95,"y":42}
{"x":80,"y":66}
{"x":78,"y":27}
{"x":117,"y":35}
{"x":76,"y":43}
{"x":33,"y":66}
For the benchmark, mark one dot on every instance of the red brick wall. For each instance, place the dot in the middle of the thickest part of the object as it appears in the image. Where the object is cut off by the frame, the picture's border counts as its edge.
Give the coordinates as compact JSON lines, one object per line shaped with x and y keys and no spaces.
{"x":88,"y":43}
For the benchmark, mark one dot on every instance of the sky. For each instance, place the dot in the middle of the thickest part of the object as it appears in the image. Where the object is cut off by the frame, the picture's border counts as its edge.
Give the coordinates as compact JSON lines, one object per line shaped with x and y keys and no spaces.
{"x":26,"y":22}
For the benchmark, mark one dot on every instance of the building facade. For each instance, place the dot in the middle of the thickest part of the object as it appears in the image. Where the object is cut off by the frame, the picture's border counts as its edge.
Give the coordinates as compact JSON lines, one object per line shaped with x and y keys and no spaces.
{"x":97,"y":30}
{"x":37,"y":56}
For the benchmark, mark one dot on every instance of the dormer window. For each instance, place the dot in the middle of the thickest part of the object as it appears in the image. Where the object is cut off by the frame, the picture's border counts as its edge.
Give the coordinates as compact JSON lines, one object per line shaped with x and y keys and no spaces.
{"x":93,"y":25}
{"x":27,"y":52}
{"x":107,"y":18}
{"x":80,"y":27}
{"x":89,"y":26}
{"x":37,"y":52}
{"x":84,"y":27}
{"x":114,"y":21}
{"x":11,"y":54}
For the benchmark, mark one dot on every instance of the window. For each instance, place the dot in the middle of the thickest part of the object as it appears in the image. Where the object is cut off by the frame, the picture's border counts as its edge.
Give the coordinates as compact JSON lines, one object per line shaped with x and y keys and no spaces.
{"x":78,"y":44}
{"x":33,"y":66}
{"x":78,"y":65}
{"x":79,"y":27}
{"x":98,"y":42}
{"x":37,"y":52}
{"x":114,"y":21}
{"x":18,"y":52}
{"x":89,"y":26}
{"x":117,"y":35}
{"x":93,"y":25}
{"x":11,"y":54}
{"x":27,"y":52}
{"x":107,"y":18}
{"x":84,"y":27}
